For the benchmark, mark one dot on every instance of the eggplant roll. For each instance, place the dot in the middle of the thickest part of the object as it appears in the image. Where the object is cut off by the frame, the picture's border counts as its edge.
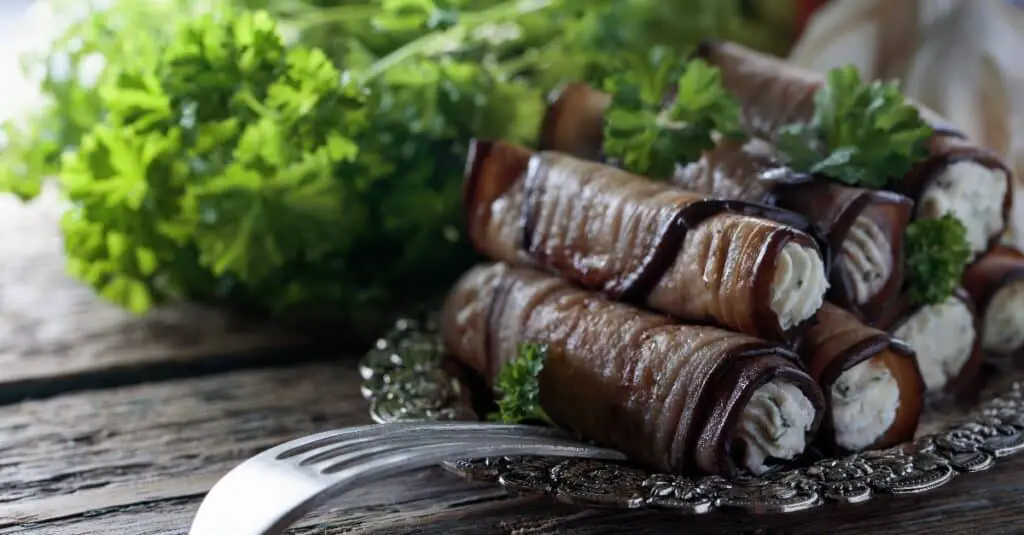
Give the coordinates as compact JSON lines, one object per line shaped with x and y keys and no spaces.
{"x":678,"y":398}
{"x":574,"y":121}
{"x":996,"y":285}
{"x":959,"y":176}
{"x":742,"y":266}
{"x":871,"y":379}
{"x":945,"y":338}
{"x":863,"y":227}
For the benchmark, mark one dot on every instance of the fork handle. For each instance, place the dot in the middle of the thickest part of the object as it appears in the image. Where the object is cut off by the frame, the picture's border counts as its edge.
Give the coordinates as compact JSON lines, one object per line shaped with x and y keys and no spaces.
{"x":270,"y":511}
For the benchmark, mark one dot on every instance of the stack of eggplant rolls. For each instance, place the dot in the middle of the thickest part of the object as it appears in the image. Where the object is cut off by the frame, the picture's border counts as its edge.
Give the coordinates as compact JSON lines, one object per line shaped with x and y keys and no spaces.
{"x":741,"y":313}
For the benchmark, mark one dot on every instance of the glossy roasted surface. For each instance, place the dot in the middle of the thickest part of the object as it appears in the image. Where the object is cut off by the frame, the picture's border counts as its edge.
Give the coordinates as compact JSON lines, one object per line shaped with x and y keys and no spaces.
{"x":665,"y":394}
{"x":748,"y":171}
{"x":774,"y":93}
{"x":629,"y":238}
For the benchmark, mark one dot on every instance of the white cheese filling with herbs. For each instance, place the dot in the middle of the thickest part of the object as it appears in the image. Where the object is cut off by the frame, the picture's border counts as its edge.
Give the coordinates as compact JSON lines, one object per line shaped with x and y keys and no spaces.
{"x":867,"y":258}
{"x":864,"y":403}
{"x":1003,"y":326}
{"x":943,"y":336}
{"x":799,"y":284}
{"x":774,"y":425}
{"x":974,"y":194}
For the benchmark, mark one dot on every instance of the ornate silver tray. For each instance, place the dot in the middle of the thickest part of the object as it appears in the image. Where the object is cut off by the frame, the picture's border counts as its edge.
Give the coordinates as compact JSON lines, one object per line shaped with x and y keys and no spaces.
{"x":405,"y":378}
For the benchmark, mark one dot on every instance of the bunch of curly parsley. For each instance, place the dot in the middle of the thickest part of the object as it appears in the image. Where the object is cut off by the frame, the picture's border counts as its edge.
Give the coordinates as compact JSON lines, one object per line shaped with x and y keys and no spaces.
{"x":218,"y":162}
{"x":219,"y":166}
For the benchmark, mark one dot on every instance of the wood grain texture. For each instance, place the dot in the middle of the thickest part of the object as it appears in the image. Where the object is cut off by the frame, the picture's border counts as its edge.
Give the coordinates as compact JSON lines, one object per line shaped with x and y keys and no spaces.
{"x":188,"y":432}
{"x":55,"y":334}
{"x":88,"y":461}
{"x":136,"y":460}
{"x":436,"y":503}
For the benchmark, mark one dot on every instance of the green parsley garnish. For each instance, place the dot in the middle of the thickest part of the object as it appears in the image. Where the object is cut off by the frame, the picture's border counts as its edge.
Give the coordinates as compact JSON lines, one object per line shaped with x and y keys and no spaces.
{"x":518,"y":387}
{"x":936,"y":255}
{"x":861,"y":134}
{"x":216,"y":162}
{"x":650,"y":136}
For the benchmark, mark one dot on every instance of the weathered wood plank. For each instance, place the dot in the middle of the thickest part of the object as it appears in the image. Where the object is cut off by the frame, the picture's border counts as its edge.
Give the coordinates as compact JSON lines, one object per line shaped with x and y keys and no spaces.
{"x":399,"y":502}
{"x":154,"y":449}
{"x":135,"y":461}
{"x":56,"y":334}
{"x":435,"y":503}
{"x":186,"y":431}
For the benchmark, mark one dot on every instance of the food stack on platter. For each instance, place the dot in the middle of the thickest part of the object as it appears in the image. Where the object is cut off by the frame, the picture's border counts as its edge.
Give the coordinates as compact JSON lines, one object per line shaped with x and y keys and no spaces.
{"x":730,"y":264}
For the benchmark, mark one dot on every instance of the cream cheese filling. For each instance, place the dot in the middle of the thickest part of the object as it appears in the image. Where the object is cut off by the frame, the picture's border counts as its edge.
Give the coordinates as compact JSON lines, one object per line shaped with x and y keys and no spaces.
{"x":774,"y":425}
{"x":974,"y":194}
{"x":1003,"y":325}
{"x":864,"y":403}
{"x":866,"y":257}
{"x":799,"y":284}
{"x":943,"y":337}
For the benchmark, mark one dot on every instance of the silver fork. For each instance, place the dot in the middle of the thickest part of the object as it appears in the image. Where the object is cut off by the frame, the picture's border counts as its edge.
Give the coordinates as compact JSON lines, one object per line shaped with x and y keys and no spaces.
{"x":270,"y":491}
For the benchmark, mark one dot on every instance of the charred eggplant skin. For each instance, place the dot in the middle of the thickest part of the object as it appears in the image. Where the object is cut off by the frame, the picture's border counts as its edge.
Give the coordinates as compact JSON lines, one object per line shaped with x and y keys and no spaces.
{"x":748,"y":171}
{"x":964,"y":384}
{"x":773,"y":93}
{"x":839,"y":341}
{"x":606,"y":359}
{"x":999,"y":267}
{"x":516,"y":206}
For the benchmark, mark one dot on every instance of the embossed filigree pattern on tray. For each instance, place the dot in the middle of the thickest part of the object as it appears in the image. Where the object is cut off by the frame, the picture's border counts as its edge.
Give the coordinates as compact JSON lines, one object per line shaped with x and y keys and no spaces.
{"x":404,"y":379}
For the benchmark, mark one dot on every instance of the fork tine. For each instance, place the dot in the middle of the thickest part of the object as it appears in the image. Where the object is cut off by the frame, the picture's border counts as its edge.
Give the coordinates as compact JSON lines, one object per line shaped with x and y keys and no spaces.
{"x":339,"y":457}
{"x":239,"y":504}
{"x":374,"y":431}
{"x":405,"y":438}
{"x":397,"y":461}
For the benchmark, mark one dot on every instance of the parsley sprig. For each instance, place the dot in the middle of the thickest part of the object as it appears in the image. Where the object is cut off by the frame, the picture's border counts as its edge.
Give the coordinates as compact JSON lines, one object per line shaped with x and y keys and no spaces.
{"x":861,"y":134}
{"x":518,"y":387}
{"x":666,"y":115}
{"x":936,"y":255}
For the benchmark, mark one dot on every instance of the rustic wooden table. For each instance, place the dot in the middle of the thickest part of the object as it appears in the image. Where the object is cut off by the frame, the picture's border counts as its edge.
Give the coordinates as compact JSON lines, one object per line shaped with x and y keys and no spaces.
{"x":114,"y":424}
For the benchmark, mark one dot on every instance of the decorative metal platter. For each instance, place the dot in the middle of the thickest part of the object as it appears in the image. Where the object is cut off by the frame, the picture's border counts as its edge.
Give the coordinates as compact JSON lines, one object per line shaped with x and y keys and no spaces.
{"x":405,"y":378}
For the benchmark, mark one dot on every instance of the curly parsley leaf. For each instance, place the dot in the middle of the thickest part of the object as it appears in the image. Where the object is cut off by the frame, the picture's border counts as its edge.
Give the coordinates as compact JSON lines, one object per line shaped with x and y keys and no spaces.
{"x":224,"y":162}
{"x":936,"y":253}
{"x":667,"y":115}
{"x":861,"y":134}
{"x":253,"y":172}
{"x":68,"y":73}
{"x":518,"y":387}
